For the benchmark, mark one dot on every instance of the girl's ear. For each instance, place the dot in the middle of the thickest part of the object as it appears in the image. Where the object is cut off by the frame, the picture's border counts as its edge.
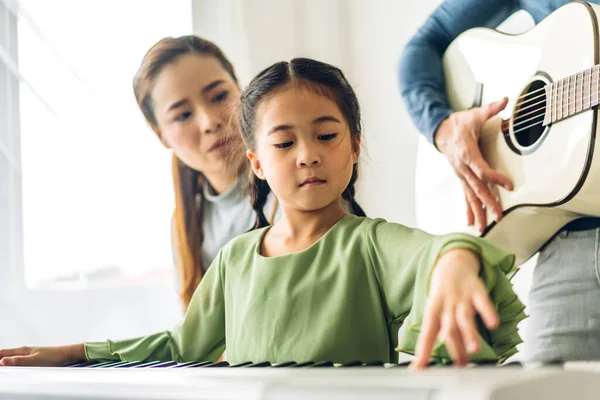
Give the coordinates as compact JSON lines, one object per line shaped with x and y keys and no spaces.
{"x":160,"y":136}
{"x":356,"y":148}
{"x":255,"y":163}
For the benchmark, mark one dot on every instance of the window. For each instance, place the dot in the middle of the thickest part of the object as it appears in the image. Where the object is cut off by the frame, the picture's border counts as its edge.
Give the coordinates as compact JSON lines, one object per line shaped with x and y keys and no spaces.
{"x":10,"y":164}
{"x":96,"y":183}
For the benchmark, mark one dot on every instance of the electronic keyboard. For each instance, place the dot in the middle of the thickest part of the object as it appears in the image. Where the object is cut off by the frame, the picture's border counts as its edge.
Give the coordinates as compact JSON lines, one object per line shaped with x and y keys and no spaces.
{"x":316,"y":380}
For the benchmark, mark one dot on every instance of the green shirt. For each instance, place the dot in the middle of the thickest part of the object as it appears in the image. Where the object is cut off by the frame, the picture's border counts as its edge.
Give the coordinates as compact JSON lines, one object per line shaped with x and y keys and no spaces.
{"x":357,"y":293}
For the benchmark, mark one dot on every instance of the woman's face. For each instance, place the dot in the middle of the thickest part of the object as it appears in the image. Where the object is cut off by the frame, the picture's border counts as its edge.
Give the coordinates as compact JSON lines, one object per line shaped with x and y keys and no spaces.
{"x":193,"y":101}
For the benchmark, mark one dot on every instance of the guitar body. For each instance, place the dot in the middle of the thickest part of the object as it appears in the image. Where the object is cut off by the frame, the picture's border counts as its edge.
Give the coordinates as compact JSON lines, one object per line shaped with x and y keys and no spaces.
{"x":554,"y":168}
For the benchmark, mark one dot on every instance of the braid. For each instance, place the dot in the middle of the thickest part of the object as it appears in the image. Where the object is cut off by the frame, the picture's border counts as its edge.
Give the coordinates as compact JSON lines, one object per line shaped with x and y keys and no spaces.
{"x":259,"y":191}
{"x":348,"y":194}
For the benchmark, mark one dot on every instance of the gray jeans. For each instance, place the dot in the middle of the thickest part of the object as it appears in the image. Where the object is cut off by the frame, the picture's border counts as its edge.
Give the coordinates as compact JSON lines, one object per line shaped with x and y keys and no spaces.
{"x":564,"y":301}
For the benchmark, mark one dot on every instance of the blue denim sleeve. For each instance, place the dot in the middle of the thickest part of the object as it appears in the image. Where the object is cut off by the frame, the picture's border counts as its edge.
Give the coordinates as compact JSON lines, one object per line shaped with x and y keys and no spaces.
{"x":420,"y":72}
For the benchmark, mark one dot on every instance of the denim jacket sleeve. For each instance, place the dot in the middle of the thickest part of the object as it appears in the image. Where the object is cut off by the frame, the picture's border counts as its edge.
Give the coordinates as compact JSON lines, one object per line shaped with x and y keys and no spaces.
{"x":420,"y":72}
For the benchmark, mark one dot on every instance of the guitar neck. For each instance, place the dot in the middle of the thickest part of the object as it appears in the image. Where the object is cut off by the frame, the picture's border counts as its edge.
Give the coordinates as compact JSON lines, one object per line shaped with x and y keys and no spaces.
{"x":569,"y":96}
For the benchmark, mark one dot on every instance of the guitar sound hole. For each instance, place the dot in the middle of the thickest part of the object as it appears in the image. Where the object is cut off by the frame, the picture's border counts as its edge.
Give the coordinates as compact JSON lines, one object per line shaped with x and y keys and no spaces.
{"x":529,"y":114}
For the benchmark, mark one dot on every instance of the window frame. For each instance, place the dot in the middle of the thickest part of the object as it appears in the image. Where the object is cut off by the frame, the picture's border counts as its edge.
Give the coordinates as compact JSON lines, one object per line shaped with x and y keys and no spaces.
{"x":57,"y":314}
{"x":12,"y":266}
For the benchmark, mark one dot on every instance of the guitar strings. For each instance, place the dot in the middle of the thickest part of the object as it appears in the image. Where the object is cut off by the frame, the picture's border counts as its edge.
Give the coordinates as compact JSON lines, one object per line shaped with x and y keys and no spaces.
{"x":555,"y":96}
{"x":567,"y":77}
{"x":557,"y":93}
{"x":564,"y":109}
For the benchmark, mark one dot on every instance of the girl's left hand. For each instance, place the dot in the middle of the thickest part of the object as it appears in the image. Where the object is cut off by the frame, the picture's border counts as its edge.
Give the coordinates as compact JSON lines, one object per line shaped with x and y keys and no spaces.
{"x":456,"y":295}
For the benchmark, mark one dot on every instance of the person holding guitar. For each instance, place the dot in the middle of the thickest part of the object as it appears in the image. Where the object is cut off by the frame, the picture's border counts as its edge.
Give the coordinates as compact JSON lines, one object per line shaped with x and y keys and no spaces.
{"x":564,"y":300}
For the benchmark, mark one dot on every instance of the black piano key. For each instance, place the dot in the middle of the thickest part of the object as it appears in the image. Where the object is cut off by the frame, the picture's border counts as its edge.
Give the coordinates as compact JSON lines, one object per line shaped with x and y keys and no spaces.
{"x":375,"y":363}
{"x":323,"y":364}
{"x":163,"y":364}
{"x":115,"y":364}
{"x":244,"y":364}
{"x":187,"y":364}
{"x":200,"y":364}
{"x":106,"y":364}
{"x":260,"y":365}
{"x":216,"y":365}
{"x":129,"y":364}
{"x":403,"y":364}
{"x":354,"y":363}
{"x":82,"y":364}
{"x":285,"y":364}
{"x":99,"y":363}
{"x":304,"y":364}
{"x":486,"y":363}
{"x":406,"y":364}
{"x":512,"y":364}
{"x":147,"y":364}
{"x":441,"y":364}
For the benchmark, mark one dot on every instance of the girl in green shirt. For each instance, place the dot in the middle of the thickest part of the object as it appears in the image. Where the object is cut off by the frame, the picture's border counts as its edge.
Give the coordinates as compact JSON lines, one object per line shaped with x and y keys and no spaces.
{"x":321,"y":284}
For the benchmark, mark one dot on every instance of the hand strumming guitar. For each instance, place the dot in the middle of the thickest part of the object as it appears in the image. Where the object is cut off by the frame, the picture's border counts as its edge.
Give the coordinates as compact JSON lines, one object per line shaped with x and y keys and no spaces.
{"x":457,"y":138}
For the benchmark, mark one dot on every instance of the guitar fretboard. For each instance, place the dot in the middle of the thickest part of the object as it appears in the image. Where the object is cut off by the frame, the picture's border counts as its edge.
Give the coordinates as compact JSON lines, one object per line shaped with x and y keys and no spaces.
{"x":571,"y":95}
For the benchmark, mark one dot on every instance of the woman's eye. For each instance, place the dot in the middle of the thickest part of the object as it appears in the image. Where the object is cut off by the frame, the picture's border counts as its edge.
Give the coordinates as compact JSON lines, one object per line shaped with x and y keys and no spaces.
{"x":329,"y":136}
{"x":183,"y":116}
{"x":283,"y":145}
{"x":220,"y":97}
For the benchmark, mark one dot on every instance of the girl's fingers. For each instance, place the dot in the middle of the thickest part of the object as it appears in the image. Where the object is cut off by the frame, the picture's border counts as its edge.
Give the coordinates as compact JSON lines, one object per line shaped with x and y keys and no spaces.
{"x":455,"y":325}
{"x":18,"y":361}
{"x":14,"y":352}
{"x":483,"y":305}
{"x":465,"y":319}
{"x":453,"y":340}
{"x":426,"y":341}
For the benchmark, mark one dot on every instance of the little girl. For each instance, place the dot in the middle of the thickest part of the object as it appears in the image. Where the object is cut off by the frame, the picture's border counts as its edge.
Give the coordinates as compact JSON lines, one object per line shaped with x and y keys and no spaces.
{"x":322,"y":284}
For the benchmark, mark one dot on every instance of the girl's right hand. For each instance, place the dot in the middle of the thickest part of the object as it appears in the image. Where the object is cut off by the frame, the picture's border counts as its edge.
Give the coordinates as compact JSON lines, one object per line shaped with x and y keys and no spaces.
{"x":55,"y":356}
{"x":456,"y":296}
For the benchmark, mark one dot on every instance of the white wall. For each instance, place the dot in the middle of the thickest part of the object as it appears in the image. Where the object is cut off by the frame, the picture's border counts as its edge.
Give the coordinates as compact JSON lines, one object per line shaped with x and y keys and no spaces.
{"x":71,"y":316}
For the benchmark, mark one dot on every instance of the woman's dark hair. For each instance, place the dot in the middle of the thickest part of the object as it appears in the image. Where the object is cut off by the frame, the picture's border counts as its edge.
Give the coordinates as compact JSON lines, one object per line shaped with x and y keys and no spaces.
{"x":187,"y":182}
{"x":319,"y":77}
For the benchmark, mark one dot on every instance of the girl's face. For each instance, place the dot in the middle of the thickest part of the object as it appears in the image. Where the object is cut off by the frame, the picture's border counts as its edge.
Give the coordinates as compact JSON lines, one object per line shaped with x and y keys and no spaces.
{"x":193,"y":99}
{"x":303,"y":149}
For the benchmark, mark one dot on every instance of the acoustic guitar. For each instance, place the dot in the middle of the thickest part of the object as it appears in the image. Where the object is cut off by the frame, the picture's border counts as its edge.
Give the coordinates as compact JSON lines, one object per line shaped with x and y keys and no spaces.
{"x":545,"y":140}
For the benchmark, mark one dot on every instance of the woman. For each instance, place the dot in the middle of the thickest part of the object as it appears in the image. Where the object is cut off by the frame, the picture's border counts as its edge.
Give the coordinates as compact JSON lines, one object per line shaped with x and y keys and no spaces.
{"x":186,"y":89}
